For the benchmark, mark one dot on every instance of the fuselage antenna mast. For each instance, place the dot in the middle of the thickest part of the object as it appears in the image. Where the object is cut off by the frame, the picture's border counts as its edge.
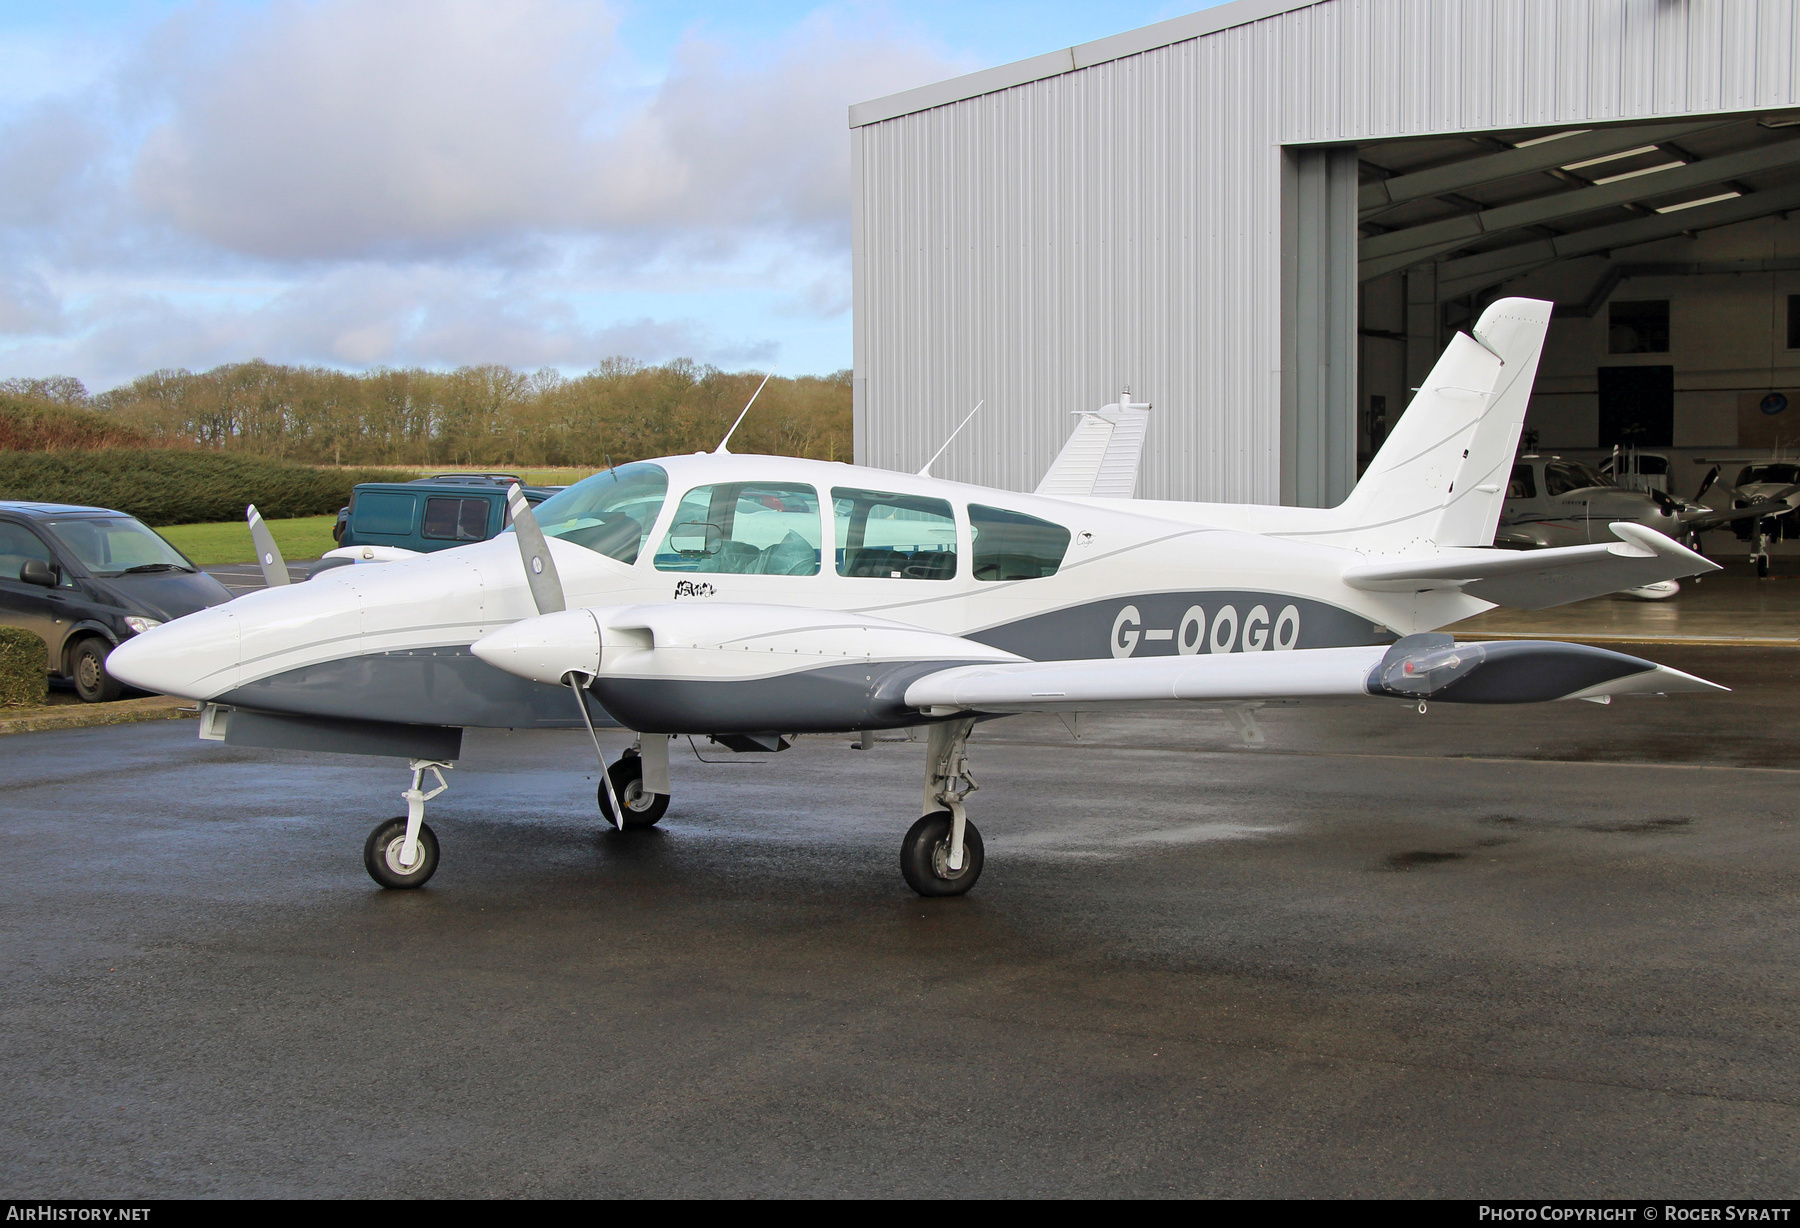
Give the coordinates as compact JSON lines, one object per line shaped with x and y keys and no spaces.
{"x":721,"y":450}
{"x":926,"y":471}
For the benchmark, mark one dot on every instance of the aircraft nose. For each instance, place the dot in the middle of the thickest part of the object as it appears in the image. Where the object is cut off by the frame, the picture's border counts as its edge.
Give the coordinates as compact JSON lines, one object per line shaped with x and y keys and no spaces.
{"x":546,"y":648}
{"x":195,"y":657}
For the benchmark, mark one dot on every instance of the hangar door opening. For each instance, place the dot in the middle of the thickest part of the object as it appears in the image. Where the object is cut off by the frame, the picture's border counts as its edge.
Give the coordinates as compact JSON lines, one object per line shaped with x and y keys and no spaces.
{"x":1670,"y":248}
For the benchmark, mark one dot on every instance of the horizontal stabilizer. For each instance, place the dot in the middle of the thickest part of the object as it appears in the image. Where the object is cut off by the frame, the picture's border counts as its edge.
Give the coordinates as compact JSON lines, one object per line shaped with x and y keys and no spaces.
{"x":1536,"y":579}
{"x":1417,"y":667}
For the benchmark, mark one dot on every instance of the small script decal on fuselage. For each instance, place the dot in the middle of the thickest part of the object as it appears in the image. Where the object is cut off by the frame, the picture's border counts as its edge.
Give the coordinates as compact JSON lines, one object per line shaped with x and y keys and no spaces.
{"x":693,"y":588}
{"x":1225,"y":632}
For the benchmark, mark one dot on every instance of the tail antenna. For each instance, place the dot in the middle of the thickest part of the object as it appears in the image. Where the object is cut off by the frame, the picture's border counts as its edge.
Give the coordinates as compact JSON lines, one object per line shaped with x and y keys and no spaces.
{"x":926,"y":471}
{"x":721,"y":449}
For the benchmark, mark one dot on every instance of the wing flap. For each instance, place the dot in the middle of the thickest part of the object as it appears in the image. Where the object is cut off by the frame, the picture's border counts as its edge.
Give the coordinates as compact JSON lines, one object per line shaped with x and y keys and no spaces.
{"x":1536,"y":579}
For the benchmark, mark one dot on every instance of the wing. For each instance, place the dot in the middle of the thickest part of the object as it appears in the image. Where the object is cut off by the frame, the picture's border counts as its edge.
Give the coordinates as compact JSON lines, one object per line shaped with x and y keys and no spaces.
{"x":1535,"y":579}
{"x":1431,"y":666}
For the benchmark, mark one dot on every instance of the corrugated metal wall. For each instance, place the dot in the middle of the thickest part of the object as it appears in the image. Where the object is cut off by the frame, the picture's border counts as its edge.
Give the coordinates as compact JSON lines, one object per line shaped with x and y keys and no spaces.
{"x":1120,"y":224}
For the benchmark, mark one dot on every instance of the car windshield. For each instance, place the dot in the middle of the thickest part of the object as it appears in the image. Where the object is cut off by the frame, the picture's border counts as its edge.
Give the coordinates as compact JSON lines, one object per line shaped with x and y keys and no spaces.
{"x":1561,"y":477}
{"x":114,"y":545}
{"x":609,"y":513}
{"x":1786,"y":475}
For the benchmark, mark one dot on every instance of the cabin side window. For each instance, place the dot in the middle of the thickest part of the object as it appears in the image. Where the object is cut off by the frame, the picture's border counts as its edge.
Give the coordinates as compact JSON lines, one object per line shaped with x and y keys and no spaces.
{"x":882,"y":535}
{"x":1523,"y":484}
{"x":744,"y":529}
{"x":388,"y":512}
{"x":1014,"y":546}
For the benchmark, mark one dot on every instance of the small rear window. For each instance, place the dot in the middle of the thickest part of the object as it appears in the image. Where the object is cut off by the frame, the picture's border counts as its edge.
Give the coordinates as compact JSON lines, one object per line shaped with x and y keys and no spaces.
{"x":1014,"y":546}
{"x":452,"y":519}
{"x":1523,"y":484}
{"x":383,"y":511}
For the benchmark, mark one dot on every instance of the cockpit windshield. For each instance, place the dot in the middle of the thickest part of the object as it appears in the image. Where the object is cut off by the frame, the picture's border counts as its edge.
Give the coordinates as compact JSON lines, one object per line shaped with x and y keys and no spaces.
{"x":609,"y":513}
{"x":1563,"y":476}
{"x":117,"y":545}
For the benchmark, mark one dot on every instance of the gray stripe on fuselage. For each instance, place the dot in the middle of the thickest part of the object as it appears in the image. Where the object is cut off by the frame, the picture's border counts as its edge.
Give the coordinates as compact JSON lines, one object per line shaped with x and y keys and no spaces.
{"x":450,"y":686}
{"x":420,"y":686}
{"x":1087,"y":630}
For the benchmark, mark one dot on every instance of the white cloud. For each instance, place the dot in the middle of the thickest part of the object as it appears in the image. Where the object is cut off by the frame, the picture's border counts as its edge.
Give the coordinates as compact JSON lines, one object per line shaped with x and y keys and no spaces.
{"x":434,"y":182}
{"x":345,"y":129}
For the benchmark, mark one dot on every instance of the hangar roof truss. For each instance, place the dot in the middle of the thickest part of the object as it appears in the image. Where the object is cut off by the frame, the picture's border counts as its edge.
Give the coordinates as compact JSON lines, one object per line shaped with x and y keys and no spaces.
{"x":1489,"y":207}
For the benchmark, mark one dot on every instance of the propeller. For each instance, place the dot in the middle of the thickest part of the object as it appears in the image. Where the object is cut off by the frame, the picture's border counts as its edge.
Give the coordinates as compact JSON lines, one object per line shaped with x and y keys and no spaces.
{"x":1706,"y":483}
{"x":268,"y":554}
{"x":540,"y":567}
{"x":547,"y":595}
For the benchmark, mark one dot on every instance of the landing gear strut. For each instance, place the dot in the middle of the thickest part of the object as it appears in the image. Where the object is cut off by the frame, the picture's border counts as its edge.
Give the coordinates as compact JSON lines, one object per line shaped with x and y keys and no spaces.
{"x":942,"y":853}
{"x":403,"y":852}
{"x":1760,"y":553}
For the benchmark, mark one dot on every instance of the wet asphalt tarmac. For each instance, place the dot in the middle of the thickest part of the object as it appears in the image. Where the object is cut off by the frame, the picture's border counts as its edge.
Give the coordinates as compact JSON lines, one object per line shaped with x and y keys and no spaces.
{"x":1546,"y":951}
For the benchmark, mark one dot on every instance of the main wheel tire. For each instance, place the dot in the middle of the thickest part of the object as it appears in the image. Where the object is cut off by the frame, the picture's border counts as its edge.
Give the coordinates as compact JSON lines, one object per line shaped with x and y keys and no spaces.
{"x":381,"y":855}
{"x":641,"y":809}
{"x":925,"y":857}
{"x":1762,"y":566}
{"x":88,"y":667}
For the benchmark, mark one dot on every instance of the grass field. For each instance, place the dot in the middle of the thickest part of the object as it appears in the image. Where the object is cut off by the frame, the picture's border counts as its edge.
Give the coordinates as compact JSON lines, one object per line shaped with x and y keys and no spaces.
{"x":303,"y":537}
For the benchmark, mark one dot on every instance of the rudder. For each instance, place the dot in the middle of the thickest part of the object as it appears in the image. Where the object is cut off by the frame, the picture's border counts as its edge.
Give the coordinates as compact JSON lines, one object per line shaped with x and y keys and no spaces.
{"x":1440,"y":478}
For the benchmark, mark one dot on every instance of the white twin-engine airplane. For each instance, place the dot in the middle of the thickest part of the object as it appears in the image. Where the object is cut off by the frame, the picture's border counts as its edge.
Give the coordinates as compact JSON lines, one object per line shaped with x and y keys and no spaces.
{"x":753,"y":597}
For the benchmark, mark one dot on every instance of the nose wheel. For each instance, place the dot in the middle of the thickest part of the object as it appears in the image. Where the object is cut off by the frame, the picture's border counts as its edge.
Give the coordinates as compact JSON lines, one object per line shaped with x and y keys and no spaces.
{"x":384,"y":855}
{"x":403,"y":852}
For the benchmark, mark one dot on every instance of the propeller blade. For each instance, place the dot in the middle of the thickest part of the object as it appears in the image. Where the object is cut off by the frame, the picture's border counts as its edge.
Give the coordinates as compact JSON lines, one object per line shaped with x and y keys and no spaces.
{"x":268,"y":554}
{"x":540,"y":568}
{"x":1706,"y":483}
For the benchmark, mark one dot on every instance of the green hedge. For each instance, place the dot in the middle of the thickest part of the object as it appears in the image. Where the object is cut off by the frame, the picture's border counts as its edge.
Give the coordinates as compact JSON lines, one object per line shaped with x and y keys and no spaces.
{"x":24,"y":668}
{"x":28,"y":424}
{"x":165,"y":486}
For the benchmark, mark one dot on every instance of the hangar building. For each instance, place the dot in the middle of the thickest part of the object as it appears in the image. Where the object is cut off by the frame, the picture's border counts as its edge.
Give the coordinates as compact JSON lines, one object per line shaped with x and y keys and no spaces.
{"x":1268,"y":218}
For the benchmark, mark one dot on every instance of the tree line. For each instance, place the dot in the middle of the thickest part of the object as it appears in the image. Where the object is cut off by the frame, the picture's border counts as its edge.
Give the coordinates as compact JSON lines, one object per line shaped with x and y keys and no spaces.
{"x":474,"y":416}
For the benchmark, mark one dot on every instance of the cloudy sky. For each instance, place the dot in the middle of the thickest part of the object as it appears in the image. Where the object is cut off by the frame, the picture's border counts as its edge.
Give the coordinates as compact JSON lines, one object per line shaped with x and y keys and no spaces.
{"x":438,"y":182}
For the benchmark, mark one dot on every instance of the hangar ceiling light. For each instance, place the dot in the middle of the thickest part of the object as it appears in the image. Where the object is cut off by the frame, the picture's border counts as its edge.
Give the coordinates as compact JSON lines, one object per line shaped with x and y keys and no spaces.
{"x":1704,"y":200}
{"x":1484,"y":208}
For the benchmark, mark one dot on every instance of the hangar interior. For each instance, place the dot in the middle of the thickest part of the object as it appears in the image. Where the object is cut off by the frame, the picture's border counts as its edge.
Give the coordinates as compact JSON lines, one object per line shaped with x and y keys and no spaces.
{"x":1671,"y":250}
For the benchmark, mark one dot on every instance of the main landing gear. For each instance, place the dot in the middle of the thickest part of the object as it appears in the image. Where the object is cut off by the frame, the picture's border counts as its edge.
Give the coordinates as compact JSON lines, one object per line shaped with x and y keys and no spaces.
{"x":641,"y":783}
{"x":403,"y":852}
{"x":942,"y":854}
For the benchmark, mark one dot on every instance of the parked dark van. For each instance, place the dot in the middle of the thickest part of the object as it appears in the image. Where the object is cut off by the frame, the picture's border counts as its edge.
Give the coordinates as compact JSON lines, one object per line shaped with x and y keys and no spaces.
{"x":87,"y":578}
{"x":436,"y":513}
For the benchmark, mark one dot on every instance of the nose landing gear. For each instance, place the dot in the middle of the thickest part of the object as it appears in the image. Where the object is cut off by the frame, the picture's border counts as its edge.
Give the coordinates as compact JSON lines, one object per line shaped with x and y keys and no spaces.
{"x":403,"y":852}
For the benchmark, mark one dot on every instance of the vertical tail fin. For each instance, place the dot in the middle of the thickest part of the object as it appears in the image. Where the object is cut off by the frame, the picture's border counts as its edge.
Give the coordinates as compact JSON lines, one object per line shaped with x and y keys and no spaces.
{"x":1440,"y":477}
{"x":1101,"y":458}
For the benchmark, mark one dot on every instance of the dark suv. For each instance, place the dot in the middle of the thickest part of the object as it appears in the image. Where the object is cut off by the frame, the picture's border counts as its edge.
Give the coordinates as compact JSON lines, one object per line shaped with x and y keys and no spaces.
{"x":86,"y":578}
{"x":426,"y":514}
